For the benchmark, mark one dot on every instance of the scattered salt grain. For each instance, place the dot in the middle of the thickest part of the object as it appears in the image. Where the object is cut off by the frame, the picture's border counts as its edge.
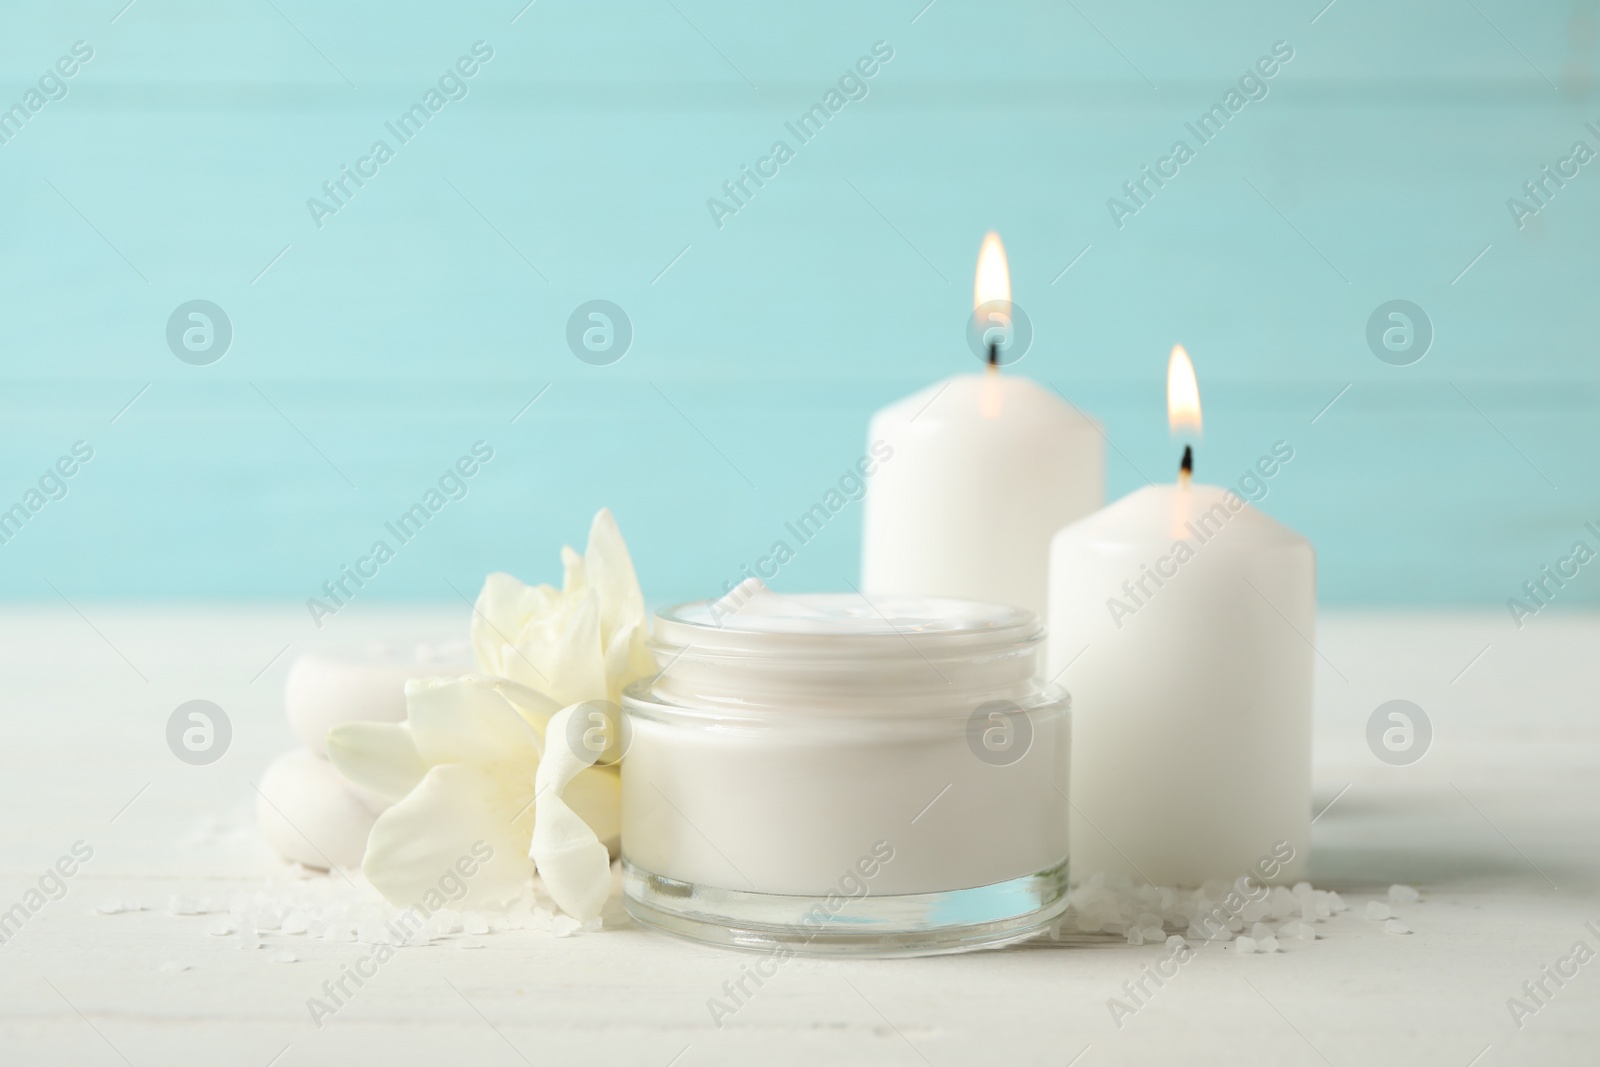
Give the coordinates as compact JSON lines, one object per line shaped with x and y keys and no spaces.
{"x":1267,"y":944}
{"x":566,"y":926}
{"x":113,"y":906}
{"x":223,"y":928}
{"x":295,"y":922}
{"x":1260,"y":931}
{"x":1298,"y":931}
{"x":1244,"y":944}
{"x":1377,"y":910}
{"x":1152,"y":934}
{"x":475,"y":923}
{"x":285,"y":957}
{"x":185,"y":906}
{"x":1395,"y":926}
{"x":1404,"y":894}
{"x":173,"y":967}
{"x":1135,"y":936}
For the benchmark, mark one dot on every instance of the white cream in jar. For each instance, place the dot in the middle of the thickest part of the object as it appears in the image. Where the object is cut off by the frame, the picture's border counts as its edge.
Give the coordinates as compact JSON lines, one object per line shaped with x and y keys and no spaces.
{"x":841,"y":775}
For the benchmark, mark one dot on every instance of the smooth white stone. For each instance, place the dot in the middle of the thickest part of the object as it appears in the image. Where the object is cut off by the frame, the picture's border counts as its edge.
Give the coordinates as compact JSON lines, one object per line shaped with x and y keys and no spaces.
{"x":309,"y":814}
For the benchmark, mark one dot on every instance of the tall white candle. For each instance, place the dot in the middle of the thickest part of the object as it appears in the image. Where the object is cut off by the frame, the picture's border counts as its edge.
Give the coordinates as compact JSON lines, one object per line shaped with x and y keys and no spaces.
{"x":985,"y":469}
{"x":1186,"y":616}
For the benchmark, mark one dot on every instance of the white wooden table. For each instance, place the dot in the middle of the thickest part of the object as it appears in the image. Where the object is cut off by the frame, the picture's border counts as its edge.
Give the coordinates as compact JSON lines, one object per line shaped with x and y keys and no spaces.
{"x":1499,"y":825}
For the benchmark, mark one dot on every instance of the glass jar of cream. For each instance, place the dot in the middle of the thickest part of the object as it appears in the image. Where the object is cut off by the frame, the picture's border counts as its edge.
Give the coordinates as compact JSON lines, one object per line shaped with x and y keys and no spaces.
{"x":828,"y":775}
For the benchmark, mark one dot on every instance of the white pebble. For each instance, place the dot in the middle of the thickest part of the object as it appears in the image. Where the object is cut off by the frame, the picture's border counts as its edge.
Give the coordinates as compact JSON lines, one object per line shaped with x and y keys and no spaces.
{"x":1377,"y":910}
{"x":1404,"y":894}
{"x":1244,"y":944}
{"x":1395,"y":926}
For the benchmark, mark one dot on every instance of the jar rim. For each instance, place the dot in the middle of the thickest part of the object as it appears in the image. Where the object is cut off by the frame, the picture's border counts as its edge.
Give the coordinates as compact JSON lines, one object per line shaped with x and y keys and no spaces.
{"x":845,"y":627}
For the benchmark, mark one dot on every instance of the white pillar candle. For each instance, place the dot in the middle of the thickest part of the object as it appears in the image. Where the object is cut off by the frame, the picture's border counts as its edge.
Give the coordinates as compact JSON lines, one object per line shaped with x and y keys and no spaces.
{"x":1186,"y":616}
{"x":983,"y":469}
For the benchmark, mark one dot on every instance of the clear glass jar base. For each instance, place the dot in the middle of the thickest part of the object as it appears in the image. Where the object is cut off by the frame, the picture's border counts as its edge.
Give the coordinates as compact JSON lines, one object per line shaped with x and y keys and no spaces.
{"x":918,"y":924}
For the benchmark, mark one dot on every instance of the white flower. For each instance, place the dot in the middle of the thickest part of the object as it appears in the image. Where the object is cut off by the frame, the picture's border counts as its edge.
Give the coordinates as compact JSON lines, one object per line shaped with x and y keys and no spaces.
{"x":465,"y":766}
{"x":586,"y":641}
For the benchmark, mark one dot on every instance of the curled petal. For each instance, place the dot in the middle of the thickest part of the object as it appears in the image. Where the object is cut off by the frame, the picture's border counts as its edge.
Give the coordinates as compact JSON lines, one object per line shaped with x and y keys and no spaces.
{"x":377,"y":756}
{"x":457,"y":819}
{"x":575,"y":866}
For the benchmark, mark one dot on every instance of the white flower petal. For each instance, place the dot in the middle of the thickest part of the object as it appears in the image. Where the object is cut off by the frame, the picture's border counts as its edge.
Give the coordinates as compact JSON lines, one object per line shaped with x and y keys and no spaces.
{"x":469,"y":720}
{"x":611,"y":575}
{"x":575,"y":866}
{"x":457,"y":820}
{"x":570,"y":662}
{"x":377,"y":756}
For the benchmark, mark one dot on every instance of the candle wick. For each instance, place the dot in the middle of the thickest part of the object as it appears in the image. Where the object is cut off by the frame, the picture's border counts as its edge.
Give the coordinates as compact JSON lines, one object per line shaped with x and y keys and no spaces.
{"x":994,"y":353}
{"x":1186,"y":465}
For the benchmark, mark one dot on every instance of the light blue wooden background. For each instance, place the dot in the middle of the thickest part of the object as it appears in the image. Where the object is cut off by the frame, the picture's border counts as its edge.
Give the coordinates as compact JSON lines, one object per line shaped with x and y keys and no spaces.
{"x":430,"y":310}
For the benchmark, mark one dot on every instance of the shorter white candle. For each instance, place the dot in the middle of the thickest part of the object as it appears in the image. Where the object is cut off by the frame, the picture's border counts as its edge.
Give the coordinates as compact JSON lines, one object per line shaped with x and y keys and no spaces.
{"x":1186,"y":617}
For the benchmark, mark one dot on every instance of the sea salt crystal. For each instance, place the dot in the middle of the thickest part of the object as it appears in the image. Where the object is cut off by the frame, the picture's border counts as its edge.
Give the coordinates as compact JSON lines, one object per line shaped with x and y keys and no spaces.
{"x":1377,"y":910}
{"x":223,"y":928}
{"x":1283,"y":903}
{"x":1244,"y":944}
{"x":285,"y":957}
{"x":172,"y":967}
{"x":1336,"y":902}
{"x":185,"y":906}
{"x":566,"y":926}
{"x":1302,"y":888}
{"x":1148,"y":918}
{"x":1177,"y":942}
{"x":1395,"y":926}
{"x":1260,"y":930}
{"x":1152,"y":934}
{"x":1255,"y":910}
{"x":1267,"y":944}
{"x":475,"y":923}
{"x":449,"y":921}
{"x":1404,"y":894}
{"x":1298,"y":931}
{"x":1135,"y":936}
{"x":113,"y":906}
{"x":295,"y":922}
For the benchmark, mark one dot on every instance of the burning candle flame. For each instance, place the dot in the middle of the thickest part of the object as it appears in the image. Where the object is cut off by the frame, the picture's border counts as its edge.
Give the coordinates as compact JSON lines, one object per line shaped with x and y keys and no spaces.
{"x":993,"y":279}
{"x":1183,"y":393}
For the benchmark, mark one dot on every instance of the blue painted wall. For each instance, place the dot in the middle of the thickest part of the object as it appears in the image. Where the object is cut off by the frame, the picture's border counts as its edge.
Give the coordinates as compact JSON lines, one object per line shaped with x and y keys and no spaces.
{"x":371,"y":351}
